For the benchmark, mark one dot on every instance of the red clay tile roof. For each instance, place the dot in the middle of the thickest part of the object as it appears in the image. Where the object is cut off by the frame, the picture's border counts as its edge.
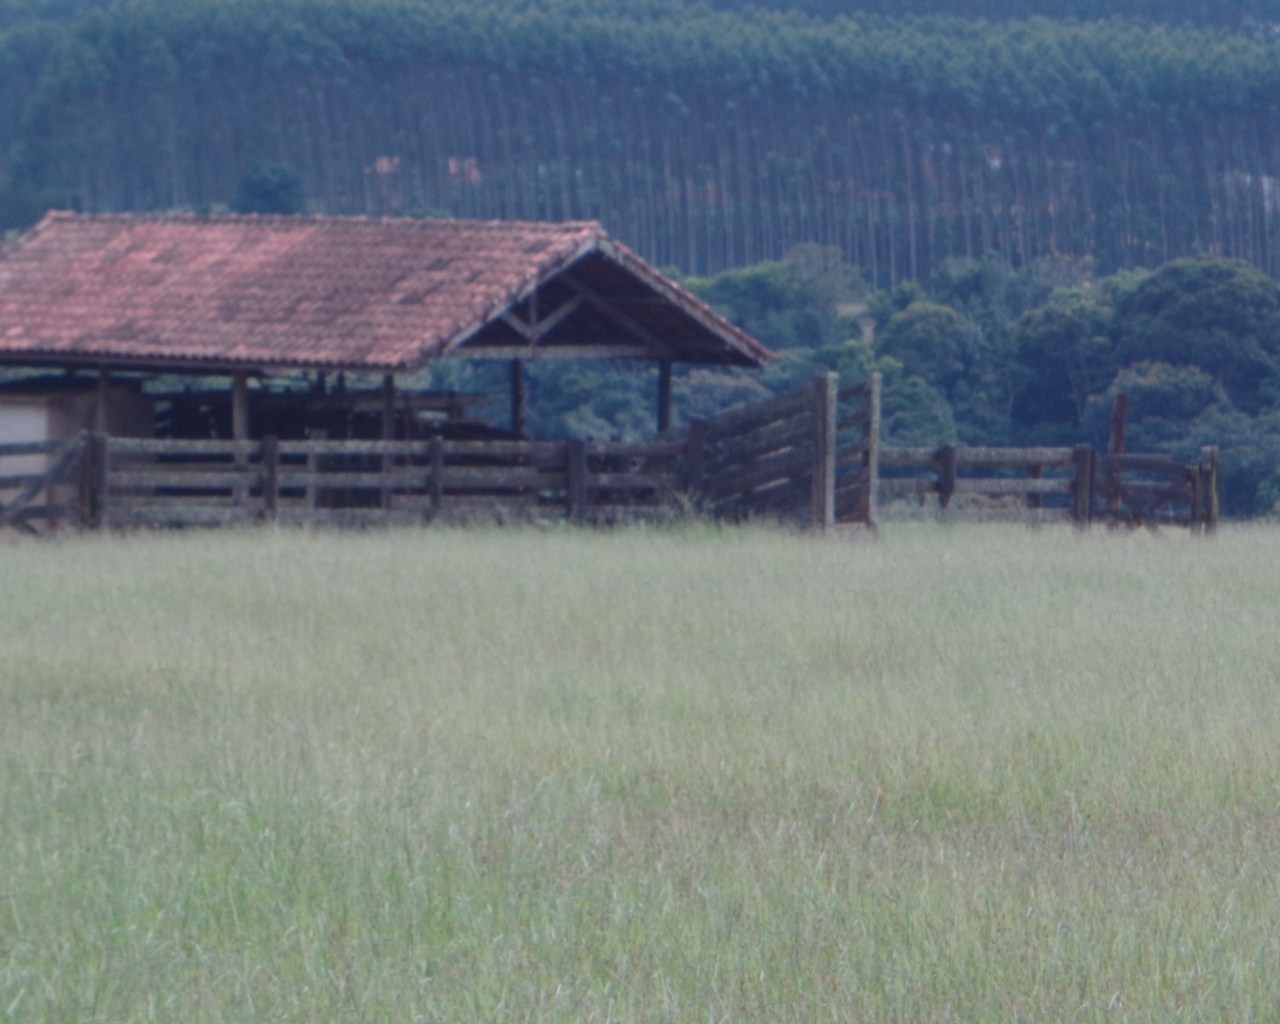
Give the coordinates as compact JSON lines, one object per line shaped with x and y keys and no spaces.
{"x":337,"y":292}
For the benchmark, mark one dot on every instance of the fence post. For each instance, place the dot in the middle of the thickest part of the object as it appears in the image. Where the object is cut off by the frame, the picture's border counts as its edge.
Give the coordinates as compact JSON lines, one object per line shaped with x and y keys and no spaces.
{"x":695,"y":458}
{"x":93,"y":482}
{"x":946,"y":475}
{"x":1082,"y":486}
{"x":826,"y":388}
{"x":1210,"y":465}
{"x":576,"y":459}
{"x":437,"y":475}
{"x":871,"y":501}
{"x":270,"y":477}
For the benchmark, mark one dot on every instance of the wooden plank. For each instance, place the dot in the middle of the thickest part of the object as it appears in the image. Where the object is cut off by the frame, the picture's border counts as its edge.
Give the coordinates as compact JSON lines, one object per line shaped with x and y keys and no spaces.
{"x":1082,"y":459}
{"x":179,"y":515}
{"x":744,"y":417}
{"x":512,"y":449}
{"x":757,"y":444}
{"x":634,"y":481}
{"x":946,"y":474}
{"x":436,"y":480}
{"x":1160,"y":465}
{"x":578,"y":496}
{"x":300,"y":477}
{"x":166,"y":446}
{"x":120,"y":479}
{"x":636,"y":449}
{"x":1210,"y":469}
{"x":787,"y":498}
{"x":404,"y":449}
{"x":795,"y":464}
{"x":895,"y":486}
{"x":270,"y":476}
{"x":1013,"y":458}
{"x":16,"y":448}
{"x":907,"y":456}
{"x":500,"y":477}
{"x":1010,"y":485}
{"x":825,"y":391}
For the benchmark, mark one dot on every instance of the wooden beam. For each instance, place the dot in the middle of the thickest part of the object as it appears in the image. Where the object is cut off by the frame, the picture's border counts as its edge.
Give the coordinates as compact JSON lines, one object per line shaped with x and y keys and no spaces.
{"x":588,"y":351}
{"x":664,"y":396}
{"x":240,"y":407}
{"x":611,"y":311}
{"x":517,"y":398}
{"x":388,"y":408}
{"x":100,"y":413}
{"x":535,"y":332}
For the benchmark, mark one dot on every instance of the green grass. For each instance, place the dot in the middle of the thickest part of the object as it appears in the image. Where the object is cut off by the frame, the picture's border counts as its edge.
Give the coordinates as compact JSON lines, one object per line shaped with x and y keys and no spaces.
{"x":970,"y":774}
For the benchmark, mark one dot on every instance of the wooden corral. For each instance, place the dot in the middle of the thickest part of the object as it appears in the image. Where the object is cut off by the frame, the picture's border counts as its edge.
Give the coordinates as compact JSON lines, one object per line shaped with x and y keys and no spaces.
{"x":808,"y":457}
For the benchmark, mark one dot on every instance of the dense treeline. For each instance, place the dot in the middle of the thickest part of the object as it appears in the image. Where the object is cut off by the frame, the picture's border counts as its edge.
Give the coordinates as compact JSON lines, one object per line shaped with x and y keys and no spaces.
{"x":1257,"y":15}
{"x":706,"y":139}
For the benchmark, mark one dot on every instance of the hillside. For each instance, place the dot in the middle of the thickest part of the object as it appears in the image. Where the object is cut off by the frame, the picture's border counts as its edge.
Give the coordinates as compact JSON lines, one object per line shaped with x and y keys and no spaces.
{"x":706,"y":138}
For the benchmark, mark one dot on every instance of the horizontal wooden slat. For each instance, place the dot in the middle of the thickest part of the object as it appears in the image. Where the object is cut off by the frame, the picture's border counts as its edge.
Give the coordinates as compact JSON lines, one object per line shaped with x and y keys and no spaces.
{"x":1007,"y":485}
{"x":1013,"y":457}
{"x":162,"y":446}
{"x":1160,"y":465}
{"x":890,"y":486}
{"x":636,"y":449}
{"x":738,"y":451}
{"x":744,"y":417}
{"x":122,"y":514}
{"x":786,"y":465}
{"x":908,"y":456}
{"x":633,"y":481}
{"x":20,"y":448}
{"x":220,"y":479}
{"x":323,"y":480}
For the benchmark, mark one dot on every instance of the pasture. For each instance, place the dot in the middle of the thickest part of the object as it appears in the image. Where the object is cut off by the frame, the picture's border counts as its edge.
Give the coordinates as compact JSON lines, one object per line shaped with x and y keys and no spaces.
{"x":964,"y":773}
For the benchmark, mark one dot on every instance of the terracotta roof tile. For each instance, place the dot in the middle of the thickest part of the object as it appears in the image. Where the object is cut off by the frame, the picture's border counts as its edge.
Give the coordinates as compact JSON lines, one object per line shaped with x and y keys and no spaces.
{"x":347,"y":292}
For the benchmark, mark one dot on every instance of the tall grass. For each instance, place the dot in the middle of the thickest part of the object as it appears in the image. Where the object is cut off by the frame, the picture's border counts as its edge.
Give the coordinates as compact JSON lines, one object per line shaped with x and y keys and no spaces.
{"x":964,"y":774}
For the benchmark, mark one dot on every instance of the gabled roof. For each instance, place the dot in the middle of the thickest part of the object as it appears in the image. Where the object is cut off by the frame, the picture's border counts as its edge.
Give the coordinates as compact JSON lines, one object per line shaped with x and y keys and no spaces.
{"x":354,"y":293}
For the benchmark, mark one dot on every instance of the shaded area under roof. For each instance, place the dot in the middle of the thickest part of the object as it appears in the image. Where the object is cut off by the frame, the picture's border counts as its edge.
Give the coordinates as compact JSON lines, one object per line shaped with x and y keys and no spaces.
{"x":354,"y":293}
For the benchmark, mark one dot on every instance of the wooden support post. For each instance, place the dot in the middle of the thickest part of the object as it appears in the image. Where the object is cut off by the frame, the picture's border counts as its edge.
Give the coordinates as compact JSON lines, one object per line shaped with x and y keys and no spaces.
{"x":1210,"y":468}
{"x":1115,"y":446}
{"x":664,"y":396}
{"x":270,"y":470}
{"x":388,"y":433}
{"x":576,"y":464}
{"x":517,"y":398}
{"x":946,"y":475}
{"x":240,"y":407}
{"x":436,"y":488}
{"x":1082,"y":486}
{"x":1033,"y":497}
{"x":101,"y":422}
{"x":826,"y":388}
{"x":870,"y":511}
{"x":240,"y":432}
{"x":93,"y":482}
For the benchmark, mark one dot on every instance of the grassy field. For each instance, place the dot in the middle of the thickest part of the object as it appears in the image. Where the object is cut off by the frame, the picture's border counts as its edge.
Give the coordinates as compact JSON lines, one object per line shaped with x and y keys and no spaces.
{"x":970,"y":774}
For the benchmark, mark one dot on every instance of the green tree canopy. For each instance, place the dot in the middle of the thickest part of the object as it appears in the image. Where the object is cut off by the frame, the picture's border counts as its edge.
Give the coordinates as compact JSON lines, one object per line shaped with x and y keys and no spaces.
{"x":1220,"y":315}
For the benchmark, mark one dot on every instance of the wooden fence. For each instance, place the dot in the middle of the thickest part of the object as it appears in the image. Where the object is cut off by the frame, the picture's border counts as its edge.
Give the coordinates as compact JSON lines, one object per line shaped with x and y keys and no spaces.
{"x":1077,"y":484}
{"x":41,"y":485}
{"x":809,"y":456}
{"x":353,"y":483}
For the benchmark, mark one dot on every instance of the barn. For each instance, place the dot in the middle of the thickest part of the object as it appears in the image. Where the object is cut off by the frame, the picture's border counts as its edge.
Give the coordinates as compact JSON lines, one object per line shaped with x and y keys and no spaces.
{"x":242,"y":326}
{"x":289,"y":351}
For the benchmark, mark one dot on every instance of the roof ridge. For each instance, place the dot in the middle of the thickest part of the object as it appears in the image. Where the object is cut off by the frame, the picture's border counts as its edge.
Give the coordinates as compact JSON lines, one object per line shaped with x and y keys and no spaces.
{"x":195,"y":217}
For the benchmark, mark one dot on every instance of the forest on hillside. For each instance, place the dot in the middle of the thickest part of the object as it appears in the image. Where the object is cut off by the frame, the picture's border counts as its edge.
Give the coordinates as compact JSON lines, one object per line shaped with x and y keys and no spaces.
{"x":706,"y":138}
{"x":1012,"y":218}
